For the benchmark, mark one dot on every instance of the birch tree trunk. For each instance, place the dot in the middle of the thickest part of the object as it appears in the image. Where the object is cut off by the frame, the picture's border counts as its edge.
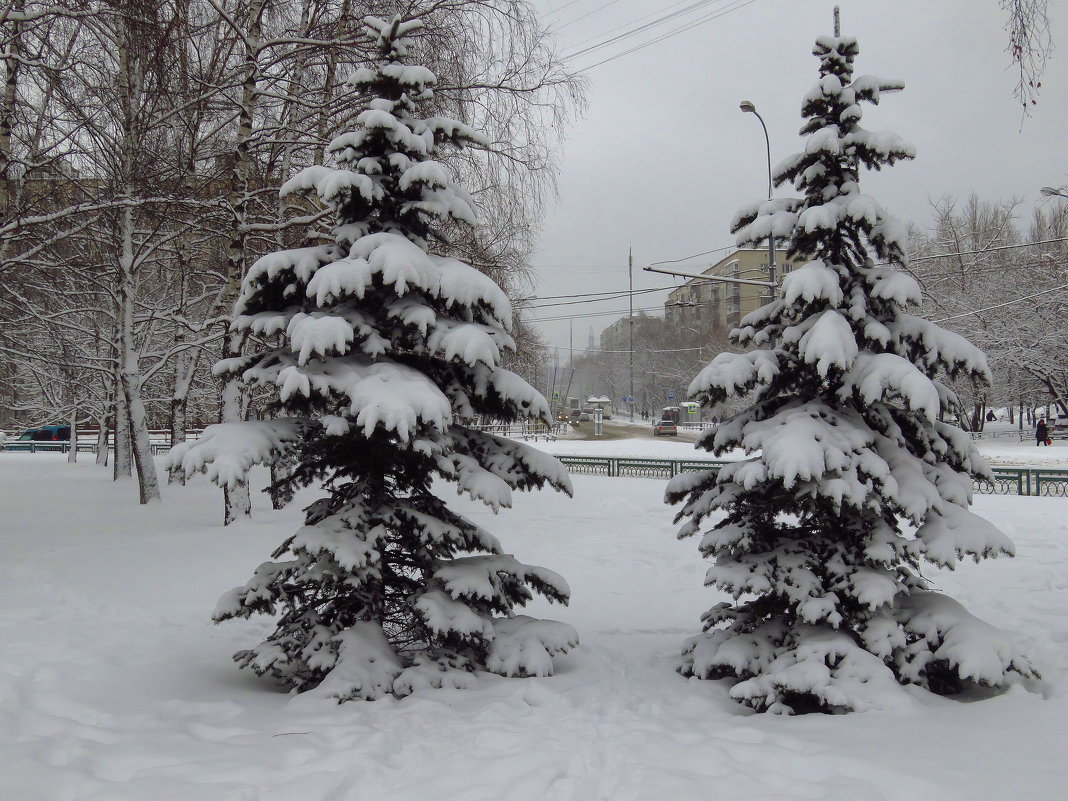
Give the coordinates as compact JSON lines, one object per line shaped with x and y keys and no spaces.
{"x":102,"y":441}
{"x":184,"y":370}
{"x":122,"y":467}
{"x":236,"y":500}
{"x":72,"y":454}
{"x":12,"y":57}
{"x":130,"y":370}
{"x":129,"y":85}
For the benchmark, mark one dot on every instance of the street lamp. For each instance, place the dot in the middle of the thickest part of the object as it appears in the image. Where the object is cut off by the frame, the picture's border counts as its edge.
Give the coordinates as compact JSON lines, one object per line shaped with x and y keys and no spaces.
{"x":1050,"y":191}
{"x":748,"y":107}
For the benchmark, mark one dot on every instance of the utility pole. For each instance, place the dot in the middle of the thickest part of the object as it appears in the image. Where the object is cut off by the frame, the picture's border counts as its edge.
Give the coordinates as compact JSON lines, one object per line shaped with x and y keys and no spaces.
{"x":630,"y":297}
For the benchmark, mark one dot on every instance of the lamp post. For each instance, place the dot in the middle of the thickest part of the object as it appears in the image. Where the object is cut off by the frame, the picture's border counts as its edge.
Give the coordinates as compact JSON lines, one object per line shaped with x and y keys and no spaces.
{"x":748,"y":107}
{"x":1050,"y":191}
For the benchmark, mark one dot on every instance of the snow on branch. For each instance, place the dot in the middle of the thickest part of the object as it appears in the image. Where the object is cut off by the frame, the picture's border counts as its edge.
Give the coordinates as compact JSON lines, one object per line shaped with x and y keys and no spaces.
{"x":226,"y":452}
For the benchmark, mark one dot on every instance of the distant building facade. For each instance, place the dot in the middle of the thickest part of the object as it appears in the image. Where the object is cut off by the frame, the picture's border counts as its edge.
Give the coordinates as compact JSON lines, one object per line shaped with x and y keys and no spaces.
{"x":716,"y":306}
{"x":617,"y":336}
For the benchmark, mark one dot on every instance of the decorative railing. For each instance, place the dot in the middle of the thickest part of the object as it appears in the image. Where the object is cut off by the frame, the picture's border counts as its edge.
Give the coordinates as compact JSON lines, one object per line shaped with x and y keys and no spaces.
{"x":1031,"y":481}
{"x":44,"y":446}
{"x":1050,"y":482}
{"x":1006,"y":480}
{"x":641,"y":468}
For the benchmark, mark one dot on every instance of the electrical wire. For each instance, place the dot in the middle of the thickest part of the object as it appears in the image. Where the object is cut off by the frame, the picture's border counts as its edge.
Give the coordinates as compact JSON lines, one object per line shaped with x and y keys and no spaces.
{"x":694,"y":256}
{"x":623,"y":312}
{"x":985,"y":250}
{"x":587,"y":315}
{"x":587,"y":14}
{"x":595,"y":297}
{"x":617,"y":295}
{"x":560,"y":8}
{"x":643,"y":350}
{"x":696,"y":6}
{"x":631,"y":22}
{"x":1002,"y":305}
{"x":739,"y":4}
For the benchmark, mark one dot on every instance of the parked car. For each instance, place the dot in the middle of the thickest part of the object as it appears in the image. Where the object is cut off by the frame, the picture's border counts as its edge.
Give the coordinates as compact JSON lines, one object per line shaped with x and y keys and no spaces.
{"x":47,"y":434}
{"x":665,"y":428}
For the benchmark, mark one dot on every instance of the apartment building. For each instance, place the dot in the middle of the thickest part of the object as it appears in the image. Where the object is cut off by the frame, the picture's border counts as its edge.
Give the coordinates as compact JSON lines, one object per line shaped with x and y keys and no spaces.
{"x":714,"y":305}
{"x":617,"y":336}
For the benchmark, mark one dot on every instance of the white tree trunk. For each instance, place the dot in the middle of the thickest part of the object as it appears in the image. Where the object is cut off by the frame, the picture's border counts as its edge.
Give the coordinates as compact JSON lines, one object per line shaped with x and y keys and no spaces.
{"x":236,"y":501}
{"x":102,"y":443}
{"x":129,"y":84}
{"x":122,"y":467}
{"x":147,"y":480}
{"x":184,"y":370}
{"x":8,"y":108}
{"x":72,"y":454}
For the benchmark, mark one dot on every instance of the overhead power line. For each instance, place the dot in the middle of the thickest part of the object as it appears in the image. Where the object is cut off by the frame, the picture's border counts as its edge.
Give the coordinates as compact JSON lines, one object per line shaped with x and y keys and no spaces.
{"x":636,"y":350}
{"x":1003,"y":305}
{"x":587,"y":14}
{"x":552,"y":11}
{"x":693,"y":256}
{"x":642,"y":18}
{"x":738,"y":5}
{"x":985,"y":250}
{"x":586,"y":315}
{"x":695,"y":6}
{"x":595,"y":297}
{"x":618,"y":295}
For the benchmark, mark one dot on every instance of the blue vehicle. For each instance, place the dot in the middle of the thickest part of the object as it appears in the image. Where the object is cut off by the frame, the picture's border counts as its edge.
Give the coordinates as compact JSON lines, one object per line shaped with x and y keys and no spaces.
{"x":47,"y":434}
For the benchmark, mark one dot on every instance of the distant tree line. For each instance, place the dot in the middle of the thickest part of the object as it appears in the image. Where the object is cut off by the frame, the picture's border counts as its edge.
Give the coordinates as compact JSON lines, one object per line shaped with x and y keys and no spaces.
{"x":1005,"y":288}
{"x":142,"y":145}
{"x":667,"y":356}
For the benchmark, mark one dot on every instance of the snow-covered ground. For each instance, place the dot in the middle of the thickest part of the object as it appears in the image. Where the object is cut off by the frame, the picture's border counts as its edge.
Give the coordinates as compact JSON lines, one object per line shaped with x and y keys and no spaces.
{"x":1004,"y":452}
{"x":114,"y":685}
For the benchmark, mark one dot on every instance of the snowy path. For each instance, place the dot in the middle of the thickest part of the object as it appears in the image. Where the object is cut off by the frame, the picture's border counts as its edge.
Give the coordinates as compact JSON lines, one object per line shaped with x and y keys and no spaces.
{"x":114,"y":686}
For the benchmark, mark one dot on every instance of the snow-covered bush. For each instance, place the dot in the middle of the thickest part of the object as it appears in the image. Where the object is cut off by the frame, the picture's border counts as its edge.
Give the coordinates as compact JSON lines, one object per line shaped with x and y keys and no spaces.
{"x":853,"y":479}
{"x":386,"y":353}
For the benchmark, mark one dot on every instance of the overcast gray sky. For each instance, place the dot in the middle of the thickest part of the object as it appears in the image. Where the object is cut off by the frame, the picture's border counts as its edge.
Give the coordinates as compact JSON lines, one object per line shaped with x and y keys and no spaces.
{"x":663,"y":157}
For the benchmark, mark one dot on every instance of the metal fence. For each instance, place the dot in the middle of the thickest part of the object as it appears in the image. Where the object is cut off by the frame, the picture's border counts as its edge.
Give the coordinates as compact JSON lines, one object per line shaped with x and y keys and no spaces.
{"x":44,"y":446}
{"x":1031,"y":481}
{"x":160,"y":442}
{"x":642,"y":468}
{"x":1006,"y":480}
{"x":524,"y":430}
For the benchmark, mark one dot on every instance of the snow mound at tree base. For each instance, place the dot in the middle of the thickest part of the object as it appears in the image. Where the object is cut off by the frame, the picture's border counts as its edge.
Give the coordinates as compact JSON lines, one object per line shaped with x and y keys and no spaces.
{"x":930,"y":641}
{"x":368,"y":668}
{"x":525,"y":646}
{"x":948,"y":643}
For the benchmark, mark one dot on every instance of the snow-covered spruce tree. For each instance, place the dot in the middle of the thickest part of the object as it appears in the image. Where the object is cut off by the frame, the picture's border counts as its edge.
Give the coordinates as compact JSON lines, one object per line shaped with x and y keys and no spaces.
{"x":388,"y":351}
{"x":853,"y":480}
